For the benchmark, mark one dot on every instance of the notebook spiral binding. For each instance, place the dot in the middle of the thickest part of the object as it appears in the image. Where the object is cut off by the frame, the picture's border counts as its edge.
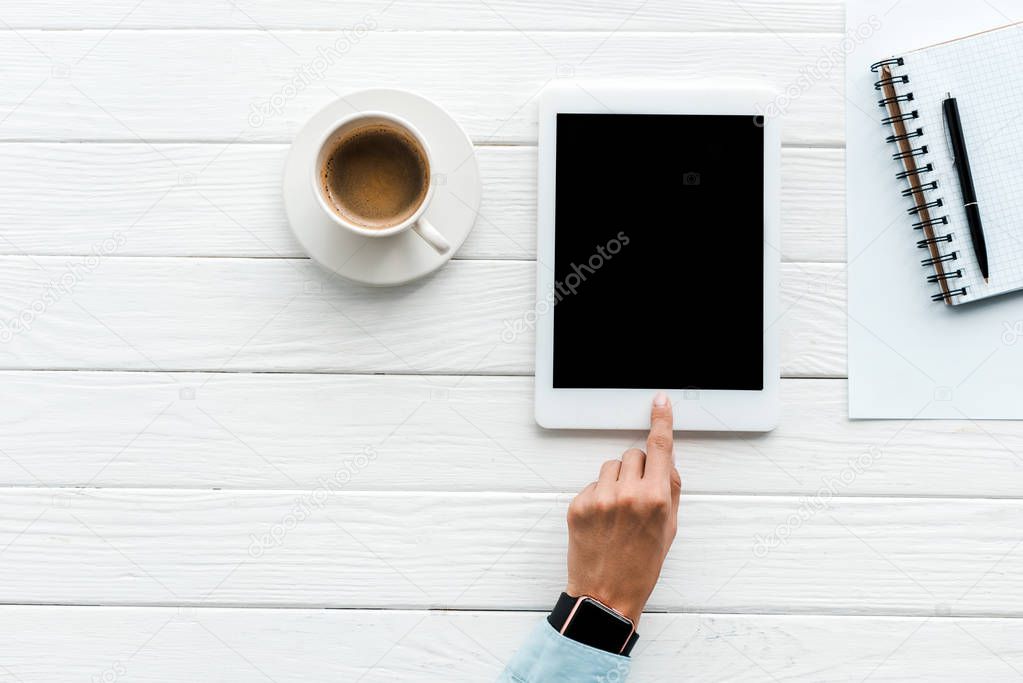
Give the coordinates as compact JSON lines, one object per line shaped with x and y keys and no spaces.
{"x":897,"y":101}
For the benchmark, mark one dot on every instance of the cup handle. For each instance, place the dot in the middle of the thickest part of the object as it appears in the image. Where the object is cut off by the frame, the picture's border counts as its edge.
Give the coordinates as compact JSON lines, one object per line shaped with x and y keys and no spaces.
{"x":432,"y":236}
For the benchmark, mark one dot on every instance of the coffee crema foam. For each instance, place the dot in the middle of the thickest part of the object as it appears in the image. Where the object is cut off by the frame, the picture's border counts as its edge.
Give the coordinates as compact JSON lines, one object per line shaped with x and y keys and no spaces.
{"x":376,"y":177}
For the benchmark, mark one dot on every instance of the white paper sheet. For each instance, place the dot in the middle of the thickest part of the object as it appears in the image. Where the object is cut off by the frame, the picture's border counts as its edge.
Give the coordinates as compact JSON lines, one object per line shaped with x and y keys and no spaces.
{"x":909,"y":357}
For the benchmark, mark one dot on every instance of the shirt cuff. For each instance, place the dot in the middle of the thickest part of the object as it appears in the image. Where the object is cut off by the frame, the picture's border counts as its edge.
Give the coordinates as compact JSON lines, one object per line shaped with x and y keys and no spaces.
{"x":549,"y":657}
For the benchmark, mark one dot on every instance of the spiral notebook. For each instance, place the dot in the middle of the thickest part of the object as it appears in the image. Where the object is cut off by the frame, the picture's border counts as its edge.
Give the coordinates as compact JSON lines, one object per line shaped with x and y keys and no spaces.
{"x":983,"y":73}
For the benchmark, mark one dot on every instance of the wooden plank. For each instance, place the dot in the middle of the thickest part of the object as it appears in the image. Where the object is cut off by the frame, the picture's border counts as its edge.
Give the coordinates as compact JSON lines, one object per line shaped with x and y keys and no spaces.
{"x":329,"y":548}
{"x":255,"y":85}
{"x":273,"y":431}
{"x":217,"y":201}
{"x":659,"y":15}
{"x":158,"y":644}
{"x":473,"y":317}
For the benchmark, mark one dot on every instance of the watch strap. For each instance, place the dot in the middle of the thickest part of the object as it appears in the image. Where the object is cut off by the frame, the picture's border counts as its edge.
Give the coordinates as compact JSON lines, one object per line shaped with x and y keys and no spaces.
{"x":564,"y":608}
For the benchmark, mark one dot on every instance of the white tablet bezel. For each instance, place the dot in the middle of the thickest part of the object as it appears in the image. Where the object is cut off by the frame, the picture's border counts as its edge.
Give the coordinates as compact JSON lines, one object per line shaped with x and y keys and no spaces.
{"x":630,"y":408}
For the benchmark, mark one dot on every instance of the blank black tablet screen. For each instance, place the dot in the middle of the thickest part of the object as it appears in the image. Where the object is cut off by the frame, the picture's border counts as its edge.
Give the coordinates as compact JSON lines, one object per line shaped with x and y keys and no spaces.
{"x":659,"y":252}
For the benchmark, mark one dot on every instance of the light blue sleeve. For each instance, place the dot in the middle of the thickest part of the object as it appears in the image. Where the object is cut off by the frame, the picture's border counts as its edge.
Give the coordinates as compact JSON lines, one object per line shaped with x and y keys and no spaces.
{"x":549,"y":657}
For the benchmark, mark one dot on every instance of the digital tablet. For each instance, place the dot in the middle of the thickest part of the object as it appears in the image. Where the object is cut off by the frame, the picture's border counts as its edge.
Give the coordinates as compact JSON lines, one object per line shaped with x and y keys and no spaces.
{"x":657,"y":257}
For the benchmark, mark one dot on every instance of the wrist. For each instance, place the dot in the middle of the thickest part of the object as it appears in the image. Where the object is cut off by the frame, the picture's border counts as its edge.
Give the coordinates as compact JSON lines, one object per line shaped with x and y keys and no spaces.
{"x":629,"y":607}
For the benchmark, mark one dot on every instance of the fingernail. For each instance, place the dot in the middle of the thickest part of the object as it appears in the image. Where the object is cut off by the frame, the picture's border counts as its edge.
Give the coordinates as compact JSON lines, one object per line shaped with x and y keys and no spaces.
{"x":661,"y":399}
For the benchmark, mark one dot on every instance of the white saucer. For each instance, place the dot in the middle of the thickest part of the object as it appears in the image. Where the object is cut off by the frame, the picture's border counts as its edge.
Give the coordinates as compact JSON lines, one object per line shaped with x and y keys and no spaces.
{"x":385,"y":261}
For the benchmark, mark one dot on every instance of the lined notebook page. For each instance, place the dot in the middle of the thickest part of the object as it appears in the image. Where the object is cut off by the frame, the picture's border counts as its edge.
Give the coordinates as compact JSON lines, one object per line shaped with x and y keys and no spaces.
{"x":983,"y":72}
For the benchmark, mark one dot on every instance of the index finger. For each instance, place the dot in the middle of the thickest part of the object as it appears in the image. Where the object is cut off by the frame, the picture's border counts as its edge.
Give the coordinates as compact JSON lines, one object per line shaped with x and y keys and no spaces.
{"x":660,"y":456}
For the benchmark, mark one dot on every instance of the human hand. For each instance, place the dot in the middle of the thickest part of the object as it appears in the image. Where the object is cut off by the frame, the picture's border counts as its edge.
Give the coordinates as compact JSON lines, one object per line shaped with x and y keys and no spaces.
{"x":621,"y":526}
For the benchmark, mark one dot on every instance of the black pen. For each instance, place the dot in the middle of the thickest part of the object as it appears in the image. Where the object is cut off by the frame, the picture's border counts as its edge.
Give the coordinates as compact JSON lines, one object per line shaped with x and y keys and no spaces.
{"x":961,"y":159}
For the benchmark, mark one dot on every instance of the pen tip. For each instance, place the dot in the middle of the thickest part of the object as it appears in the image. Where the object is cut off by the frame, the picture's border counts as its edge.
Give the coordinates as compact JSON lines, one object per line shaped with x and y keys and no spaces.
{"x":985,"y":280}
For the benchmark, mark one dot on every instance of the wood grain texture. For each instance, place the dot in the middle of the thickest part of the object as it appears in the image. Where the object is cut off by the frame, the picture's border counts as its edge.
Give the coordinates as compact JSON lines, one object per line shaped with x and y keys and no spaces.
{"x":660,"y":15}
{"x":253,"y":85}
{"x":394,"y":496}
{"x":472,"y":317}
{"x":329,"y":548}
{"x":46,"y":644}
{"x":217,"y":201}
{"x":273,"y":431}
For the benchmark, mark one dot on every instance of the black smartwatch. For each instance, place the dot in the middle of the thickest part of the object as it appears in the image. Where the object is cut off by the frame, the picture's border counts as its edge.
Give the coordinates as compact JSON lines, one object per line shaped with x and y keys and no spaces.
{"x":591,"y":622}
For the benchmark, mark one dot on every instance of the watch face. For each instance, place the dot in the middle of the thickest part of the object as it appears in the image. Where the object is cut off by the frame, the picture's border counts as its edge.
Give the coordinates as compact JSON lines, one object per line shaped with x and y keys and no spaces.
{"x":599,"y":627}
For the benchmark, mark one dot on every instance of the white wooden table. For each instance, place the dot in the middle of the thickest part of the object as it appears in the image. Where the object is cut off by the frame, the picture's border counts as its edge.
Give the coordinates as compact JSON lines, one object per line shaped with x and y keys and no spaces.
{"x":220,"y":463}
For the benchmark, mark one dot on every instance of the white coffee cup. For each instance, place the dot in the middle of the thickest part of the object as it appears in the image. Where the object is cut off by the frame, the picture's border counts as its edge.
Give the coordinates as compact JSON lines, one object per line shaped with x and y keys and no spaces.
{"x":415,"y":221}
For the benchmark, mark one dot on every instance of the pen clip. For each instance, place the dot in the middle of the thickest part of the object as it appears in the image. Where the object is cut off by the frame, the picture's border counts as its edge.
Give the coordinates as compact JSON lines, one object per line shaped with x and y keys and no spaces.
{"x":948,"y":131}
